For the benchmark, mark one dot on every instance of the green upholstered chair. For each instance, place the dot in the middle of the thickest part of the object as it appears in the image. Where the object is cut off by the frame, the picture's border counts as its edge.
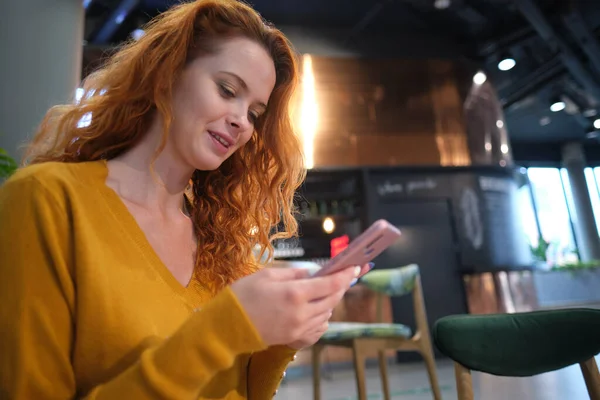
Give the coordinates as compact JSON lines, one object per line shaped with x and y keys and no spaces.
{"x":522,"y":344}
{"x":364,"y":338}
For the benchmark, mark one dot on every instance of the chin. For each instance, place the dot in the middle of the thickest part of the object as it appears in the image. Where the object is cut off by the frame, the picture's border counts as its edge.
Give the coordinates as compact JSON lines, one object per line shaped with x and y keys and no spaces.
{"x":203,"y":158}
{"x":208,"y":162}
{"x":204,"y":166}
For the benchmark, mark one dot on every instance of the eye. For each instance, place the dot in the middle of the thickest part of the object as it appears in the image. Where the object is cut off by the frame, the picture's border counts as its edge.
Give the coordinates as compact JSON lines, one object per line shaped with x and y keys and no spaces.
{"x":253,"y":116}
{"x":226,"y":91}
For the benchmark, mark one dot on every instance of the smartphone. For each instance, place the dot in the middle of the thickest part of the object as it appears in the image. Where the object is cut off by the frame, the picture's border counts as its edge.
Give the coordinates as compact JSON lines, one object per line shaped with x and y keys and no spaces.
{"x":364,"y":248}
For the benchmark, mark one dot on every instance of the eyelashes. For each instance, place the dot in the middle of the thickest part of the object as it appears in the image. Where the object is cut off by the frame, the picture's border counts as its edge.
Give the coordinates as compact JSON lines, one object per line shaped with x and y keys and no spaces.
{"x":226,"y":92}
{"x":229,"y":93}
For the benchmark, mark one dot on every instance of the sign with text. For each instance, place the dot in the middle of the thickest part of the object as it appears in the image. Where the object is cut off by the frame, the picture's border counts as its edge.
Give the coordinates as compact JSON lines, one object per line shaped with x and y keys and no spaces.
{"x":339,"y":244}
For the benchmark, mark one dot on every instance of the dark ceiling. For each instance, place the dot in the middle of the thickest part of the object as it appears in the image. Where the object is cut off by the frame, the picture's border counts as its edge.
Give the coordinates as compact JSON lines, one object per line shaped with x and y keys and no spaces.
{"x":554,"y":43}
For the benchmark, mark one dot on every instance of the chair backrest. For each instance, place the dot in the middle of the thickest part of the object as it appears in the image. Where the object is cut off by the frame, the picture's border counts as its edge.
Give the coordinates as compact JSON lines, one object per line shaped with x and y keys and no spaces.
{"x":399,"y":282}
{"x":392,"y":282}
{"x":520,"y":344}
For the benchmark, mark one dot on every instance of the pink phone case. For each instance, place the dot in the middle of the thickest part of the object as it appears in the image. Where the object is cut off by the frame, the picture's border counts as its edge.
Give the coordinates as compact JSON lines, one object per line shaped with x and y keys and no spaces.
{"x":364,"y":248}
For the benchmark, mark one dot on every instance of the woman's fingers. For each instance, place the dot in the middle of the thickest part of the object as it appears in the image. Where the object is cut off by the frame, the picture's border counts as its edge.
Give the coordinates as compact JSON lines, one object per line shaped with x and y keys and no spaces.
{"x":366,"y":268}
{"x":323,"y":286}
{"x":324,"y":304}
{"x":286,"y":274}
{"x":318,"y":323}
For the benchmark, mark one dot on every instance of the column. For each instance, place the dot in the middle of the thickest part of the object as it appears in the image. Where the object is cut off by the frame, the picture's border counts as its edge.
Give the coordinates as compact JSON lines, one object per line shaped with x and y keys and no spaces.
{"x":585,"y":227}
{"x":42,"y":44}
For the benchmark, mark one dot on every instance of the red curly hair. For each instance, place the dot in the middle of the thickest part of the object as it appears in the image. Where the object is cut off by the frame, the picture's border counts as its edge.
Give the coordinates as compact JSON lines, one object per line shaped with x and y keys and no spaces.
{"x":252,"y":191}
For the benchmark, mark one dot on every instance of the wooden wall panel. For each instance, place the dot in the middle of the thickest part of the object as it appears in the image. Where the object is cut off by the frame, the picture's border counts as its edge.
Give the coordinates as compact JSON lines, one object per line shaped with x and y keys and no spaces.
{"x":388,"y":112}
{"x":376,"y":149}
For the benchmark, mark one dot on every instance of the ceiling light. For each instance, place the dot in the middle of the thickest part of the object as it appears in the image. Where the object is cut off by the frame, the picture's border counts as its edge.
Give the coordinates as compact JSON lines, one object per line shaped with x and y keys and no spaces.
{"x":137,"y":34}
{"x":557,"y":106}
{"x":479,"y":78}
{"x":328,"y":225}
{"x":441,"y":4}
{"x":506,"y":64}
{"x":500,"y":124}
{"x":121,"y":17}
{"x":597,"y":124}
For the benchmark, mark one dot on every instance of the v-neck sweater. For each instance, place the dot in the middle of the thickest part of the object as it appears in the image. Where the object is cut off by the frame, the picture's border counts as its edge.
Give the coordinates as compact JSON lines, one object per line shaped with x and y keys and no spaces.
{"x":88,"y":309}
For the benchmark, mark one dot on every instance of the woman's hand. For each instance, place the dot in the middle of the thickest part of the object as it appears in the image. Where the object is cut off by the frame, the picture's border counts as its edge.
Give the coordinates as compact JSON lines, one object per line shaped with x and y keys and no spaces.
{"x":312,"y":337}
{"x":286,"y":305}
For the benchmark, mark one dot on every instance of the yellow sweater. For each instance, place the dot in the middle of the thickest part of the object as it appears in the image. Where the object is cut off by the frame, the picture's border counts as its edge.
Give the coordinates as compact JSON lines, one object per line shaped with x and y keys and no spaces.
{"x":88,"y":310}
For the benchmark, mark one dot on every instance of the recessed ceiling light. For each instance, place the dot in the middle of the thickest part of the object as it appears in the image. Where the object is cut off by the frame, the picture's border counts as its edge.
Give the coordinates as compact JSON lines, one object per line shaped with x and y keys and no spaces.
{"x":479,"y":78}
{"x":558,"y":106}
{"x":137,"y":34}
{"x":507,"y":64}
{"x":441,"y":4}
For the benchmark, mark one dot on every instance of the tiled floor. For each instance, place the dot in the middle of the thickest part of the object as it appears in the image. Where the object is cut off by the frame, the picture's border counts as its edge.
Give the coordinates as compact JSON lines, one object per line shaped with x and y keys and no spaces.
{"x":409,"y":382}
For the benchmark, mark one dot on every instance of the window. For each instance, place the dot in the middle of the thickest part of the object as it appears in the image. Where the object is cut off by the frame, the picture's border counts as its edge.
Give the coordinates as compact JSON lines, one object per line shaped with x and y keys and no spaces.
{"x":553,"y":213}
{"x":527,"y":215}
{"x":594,"y":196}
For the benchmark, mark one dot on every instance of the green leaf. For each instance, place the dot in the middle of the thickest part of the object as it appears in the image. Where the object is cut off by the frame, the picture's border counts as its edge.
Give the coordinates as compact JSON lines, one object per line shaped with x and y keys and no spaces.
{"x":8,"y":165}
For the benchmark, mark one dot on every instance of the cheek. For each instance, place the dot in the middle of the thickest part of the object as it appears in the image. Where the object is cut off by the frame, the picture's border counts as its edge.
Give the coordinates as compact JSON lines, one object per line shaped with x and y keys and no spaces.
{"x":247,"y":136}
{"x":197,"y":106}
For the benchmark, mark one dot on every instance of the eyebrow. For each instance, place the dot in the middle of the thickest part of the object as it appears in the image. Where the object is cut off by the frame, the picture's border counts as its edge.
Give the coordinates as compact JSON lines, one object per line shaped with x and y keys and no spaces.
{"x":243,"y":84}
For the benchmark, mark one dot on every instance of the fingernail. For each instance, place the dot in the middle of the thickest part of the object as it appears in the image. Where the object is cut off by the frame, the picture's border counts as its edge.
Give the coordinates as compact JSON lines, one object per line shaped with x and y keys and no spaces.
{"x":357,"y":271}
{"x":371,"y":265}
{"x":353,"y":282}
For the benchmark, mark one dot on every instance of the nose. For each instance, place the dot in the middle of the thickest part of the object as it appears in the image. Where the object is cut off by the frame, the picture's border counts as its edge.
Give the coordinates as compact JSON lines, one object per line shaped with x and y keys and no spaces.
{"x":238,"y":124}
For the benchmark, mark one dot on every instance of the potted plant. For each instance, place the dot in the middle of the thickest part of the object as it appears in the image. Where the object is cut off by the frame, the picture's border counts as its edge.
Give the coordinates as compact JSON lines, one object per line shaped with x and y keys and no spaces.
{"x":7,"y":165}
{"x":540,"y":252}
{"x":567,"y":282}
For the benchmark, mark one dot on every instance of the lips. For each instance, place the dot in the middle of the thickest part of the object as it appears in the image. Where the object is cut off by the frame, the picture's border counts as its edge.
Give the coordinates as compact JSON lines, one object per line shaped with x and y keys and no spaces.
{"x":222,"y":138}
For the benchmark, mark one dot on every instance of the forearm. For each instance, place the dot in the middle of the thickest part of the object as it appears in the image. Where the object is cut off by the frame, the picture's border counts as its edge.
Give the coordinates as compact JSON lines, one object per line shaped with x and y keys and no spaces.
{"x":266,"y":371}
{"x":182,"y":365}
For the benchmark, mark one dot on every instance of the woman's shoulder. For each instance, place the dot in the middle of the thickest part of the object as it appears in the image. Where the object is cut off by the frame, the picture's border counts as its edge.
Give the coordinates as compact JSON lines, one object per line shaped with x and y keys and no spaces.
{"x":53,"y":176}
{"x":52,"y":172}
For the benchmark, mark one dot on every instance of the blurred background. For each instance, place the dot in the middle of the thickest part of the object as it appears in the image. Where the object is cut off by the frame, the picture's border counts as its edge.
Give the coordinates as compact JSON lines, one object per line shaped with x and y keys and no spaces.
{"x":471,"y":125}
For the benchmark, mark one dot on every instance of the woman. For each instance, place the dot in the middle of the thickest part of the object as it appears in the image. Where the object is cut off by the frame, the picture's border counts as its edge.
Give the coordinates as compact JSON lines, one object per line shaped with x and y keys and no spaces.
{"x":115,"y":283}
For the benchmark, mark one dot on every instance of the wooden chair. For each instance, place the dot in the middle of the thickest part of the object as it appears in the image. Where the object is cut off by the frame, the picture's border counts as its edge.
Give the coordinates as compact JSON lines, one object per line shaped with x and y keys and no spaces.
{"x":521,"y":344}
{"x":366,"y":338}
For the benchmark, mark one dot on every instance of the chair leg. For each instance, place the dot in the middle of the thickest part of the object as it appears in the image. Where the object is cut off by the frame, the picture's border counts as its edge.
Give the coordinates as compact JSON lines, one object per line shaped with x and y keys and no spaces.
{"x":359,"y":369}
{"x":464,"y":383}
{"x":589,"y":369}
{"x":384,"y":375}
{"x":316,"y":367}
{"x":429,"y":358}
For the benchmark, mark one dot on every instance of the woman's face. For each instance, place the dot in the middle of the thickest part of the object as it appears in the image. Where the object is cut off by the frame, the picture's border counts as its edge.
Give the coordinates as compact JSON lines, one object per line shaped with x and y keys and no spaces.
{"x":217,"y":100}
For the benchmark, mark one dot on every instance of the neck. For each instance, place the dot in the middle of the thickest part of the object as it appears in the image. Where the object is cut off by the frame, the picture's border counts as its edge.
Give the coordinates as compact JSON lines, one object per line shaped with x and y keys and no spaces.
{"x":157,"y":186}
